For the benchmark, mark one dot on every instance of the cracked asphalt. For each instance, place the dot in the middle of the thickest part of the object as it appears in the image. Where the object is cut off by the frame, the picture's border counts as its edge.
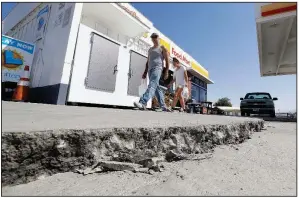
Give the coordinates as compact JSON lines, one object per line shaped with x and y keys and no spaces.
{"x":262,"y":166}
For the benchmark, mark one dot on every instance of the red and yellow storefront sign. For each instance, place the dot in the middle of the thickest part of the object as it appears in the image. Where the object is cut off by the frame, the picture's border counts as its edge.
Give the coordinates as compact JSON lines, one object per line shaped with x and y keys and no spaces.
{"x":277,"y":8}
{"x":200,"y":70}
{"x":179,"y":55}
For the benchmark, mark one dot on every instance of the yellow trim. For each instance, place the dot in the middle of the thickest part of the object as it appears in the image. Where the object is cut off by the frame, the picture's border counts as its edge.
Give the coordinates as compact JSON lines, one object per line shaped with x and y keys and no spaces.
{"x":200,"y":70}
{"x":165,"y":44}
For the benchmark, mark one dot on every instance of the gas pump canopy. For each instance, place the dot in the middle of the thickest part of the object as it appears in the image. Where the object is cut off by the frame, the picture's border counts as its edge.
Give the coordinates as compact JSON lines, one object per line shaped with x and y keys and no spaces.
{"x":276,"y":25}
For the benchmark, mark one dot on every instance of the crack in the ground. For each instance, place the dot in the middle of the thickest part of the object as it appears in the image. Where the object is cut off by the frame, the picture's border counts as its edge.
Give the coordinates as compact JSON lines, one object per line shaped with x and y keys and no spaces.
{"x":26,"y":156}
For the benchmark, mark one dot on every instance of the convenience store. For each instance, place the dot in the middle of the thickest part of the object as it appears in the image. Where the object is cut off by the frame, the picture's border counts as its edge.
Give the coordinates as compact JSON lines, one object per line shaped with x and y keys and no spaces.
{"x":78,"y":37}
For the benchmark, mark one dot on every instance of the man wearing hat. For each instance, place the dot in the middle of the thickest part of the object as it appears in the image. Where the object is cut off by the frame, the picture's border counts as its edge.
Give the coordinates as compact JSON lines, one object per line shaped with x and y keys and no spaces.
{"x":154,"y":67}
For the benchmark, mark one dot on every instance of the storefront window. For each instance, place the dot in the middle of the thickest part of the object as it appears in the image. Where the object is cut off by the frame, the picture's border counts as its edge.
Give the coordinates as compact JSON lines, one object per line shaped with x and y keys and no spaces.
{"x":203,"y":95}
{"x":201,"y":83}
{"x":195,"y":92}
{"x":198,"y":93}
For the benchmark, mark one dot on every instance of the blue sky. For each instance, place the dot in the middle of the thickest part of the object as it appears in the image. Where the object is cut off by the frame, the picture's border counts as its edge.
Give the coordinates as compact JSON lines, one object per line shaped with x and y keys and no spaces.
{"x":222,"y":38}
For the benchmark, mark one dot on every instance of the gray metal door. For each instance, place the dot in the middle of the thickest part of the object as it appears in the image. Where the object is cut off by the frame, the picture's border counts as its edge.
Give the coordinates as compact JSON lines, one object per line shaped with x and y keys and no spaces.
{"x":136,"y":69}
{"x":102,"y":68}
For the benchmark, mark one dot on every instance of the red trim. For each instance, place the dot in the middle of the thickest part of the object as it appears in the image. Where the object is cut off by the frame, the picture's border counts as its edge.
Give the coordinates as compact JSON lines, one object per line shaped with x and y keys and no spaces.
{"x":25,"y":79}
{"x":280,"y":10}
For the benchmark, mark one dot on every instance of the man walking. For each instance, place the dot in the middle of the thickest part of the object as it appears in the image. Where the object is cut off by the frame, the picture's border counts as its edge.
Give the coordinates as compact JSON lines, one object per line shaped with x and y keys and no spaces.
{"x":154,"y":67}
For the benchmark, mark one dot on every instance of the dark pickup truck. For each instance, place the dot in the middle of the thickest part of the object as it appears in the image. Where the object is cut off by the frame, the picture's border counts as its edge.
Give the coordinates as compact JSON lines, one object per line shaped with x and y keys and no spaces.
{"x":257,"y":103}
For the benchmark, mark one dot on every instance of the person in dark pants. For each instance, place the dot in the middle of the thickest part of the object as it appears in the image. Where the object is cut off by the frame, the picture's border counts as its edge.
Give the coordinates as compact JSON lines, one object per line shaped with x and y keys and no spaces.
{"x":154,"y":67}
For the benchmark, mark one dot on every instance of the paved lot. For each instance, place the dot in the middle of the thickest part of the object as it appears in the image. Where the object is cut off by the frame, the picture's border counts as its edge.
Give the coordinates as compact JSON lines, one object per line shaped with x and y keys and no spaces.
{"x":17,"y":117}
{"x":263,"y":166}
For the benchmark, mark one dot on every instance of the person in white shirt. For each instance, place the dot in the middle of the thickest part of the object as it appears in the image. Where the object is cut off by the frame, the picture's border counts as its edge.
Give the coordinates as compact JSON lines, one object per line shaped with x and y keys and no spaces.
{"x":180,"y":79}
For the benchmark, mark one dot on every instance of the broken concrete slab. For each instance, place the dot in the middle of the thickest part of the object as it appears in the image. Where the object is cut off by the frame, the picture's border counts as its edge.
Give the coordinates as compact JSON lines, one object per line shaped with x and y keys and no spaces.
{"x":104,"y":166}
{"x":199,"y":157}
{"x":119,"y":166}
{"x":151,"y":162}
{"x":88,"y":171}
{"x":78,"y":137}
{"x":174,"y":156}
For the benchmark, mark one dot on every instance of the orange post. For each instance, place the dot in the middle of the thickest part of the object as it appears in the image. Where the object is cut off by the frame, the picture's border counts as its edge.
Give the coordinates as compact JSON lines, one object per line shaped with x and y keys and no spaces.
{"x":22,"y":91}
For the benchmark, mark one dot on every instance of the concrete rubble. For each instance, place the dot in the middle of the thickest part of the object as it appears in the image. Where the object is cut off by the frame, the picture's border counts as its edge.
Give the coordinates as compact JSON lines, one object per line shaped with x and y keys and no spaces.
{"x":144,"y":166}
{"x":104,"y":166}
{"x":29,"y":154}
{"x":173,"y":156}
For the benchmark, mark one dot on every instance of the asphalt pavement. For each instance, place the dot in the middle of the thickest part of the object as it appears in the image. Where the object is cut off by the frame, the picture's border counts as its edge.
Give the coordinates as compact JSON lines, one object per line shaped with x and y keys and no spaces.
{"x":26,"y":117}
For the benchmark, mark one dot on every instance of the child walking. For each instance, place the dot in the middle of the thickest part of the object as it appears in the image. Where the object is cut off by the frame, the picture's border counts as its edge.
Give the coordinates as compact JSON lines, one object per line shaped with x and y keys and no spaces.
{"x":180,"y":79}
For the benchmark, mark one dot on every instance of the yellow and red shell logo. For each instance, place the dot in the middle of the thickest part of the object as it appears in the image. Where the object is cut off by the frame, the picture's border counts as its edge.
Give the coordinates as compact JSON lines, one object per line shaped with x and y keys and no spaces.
{"x":16,"y":55}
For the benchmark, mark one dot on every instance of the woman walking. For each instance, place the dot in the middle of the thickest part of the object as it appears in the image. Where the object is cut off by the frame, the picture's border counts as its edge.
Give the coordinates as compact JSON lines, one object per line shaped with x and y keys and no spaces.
{"x":180,"y":79}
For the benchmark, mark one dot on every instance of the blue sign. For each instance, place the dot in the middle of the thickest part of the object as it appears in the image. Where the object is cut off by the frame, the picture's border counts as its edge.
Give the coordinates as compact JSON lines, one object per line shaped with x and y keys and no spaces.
{"x":17,"y":44}
{"x":16,"y":55}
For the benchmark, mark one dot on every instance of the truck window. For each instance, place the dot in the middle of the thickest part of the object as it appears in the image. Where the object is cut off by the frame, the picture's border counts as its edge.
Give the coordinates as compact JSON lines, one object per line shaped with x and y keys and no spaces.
{"x":258,"y":96}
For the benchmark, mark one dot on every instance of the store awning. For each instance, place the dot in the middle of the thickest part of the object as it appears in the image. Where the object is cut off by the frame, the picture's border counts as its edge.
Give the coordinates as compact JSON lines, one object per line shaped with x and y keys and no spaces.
{"x":277,"y":36}
{"x":200,"y":76}
{"x":115,"y":17}
{"x":199,"y":72}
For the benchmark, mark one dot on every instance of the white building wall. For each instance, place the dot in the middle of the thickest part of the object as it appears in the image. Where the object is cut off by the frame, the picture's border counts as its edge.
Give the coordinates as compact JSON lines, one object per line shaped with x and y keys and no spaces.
{"x":138,"y":45}
{"x":78,"y":91}
{"x":52,"y":64}
{"x":50,"y":54}
{"x":18,"y":13}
